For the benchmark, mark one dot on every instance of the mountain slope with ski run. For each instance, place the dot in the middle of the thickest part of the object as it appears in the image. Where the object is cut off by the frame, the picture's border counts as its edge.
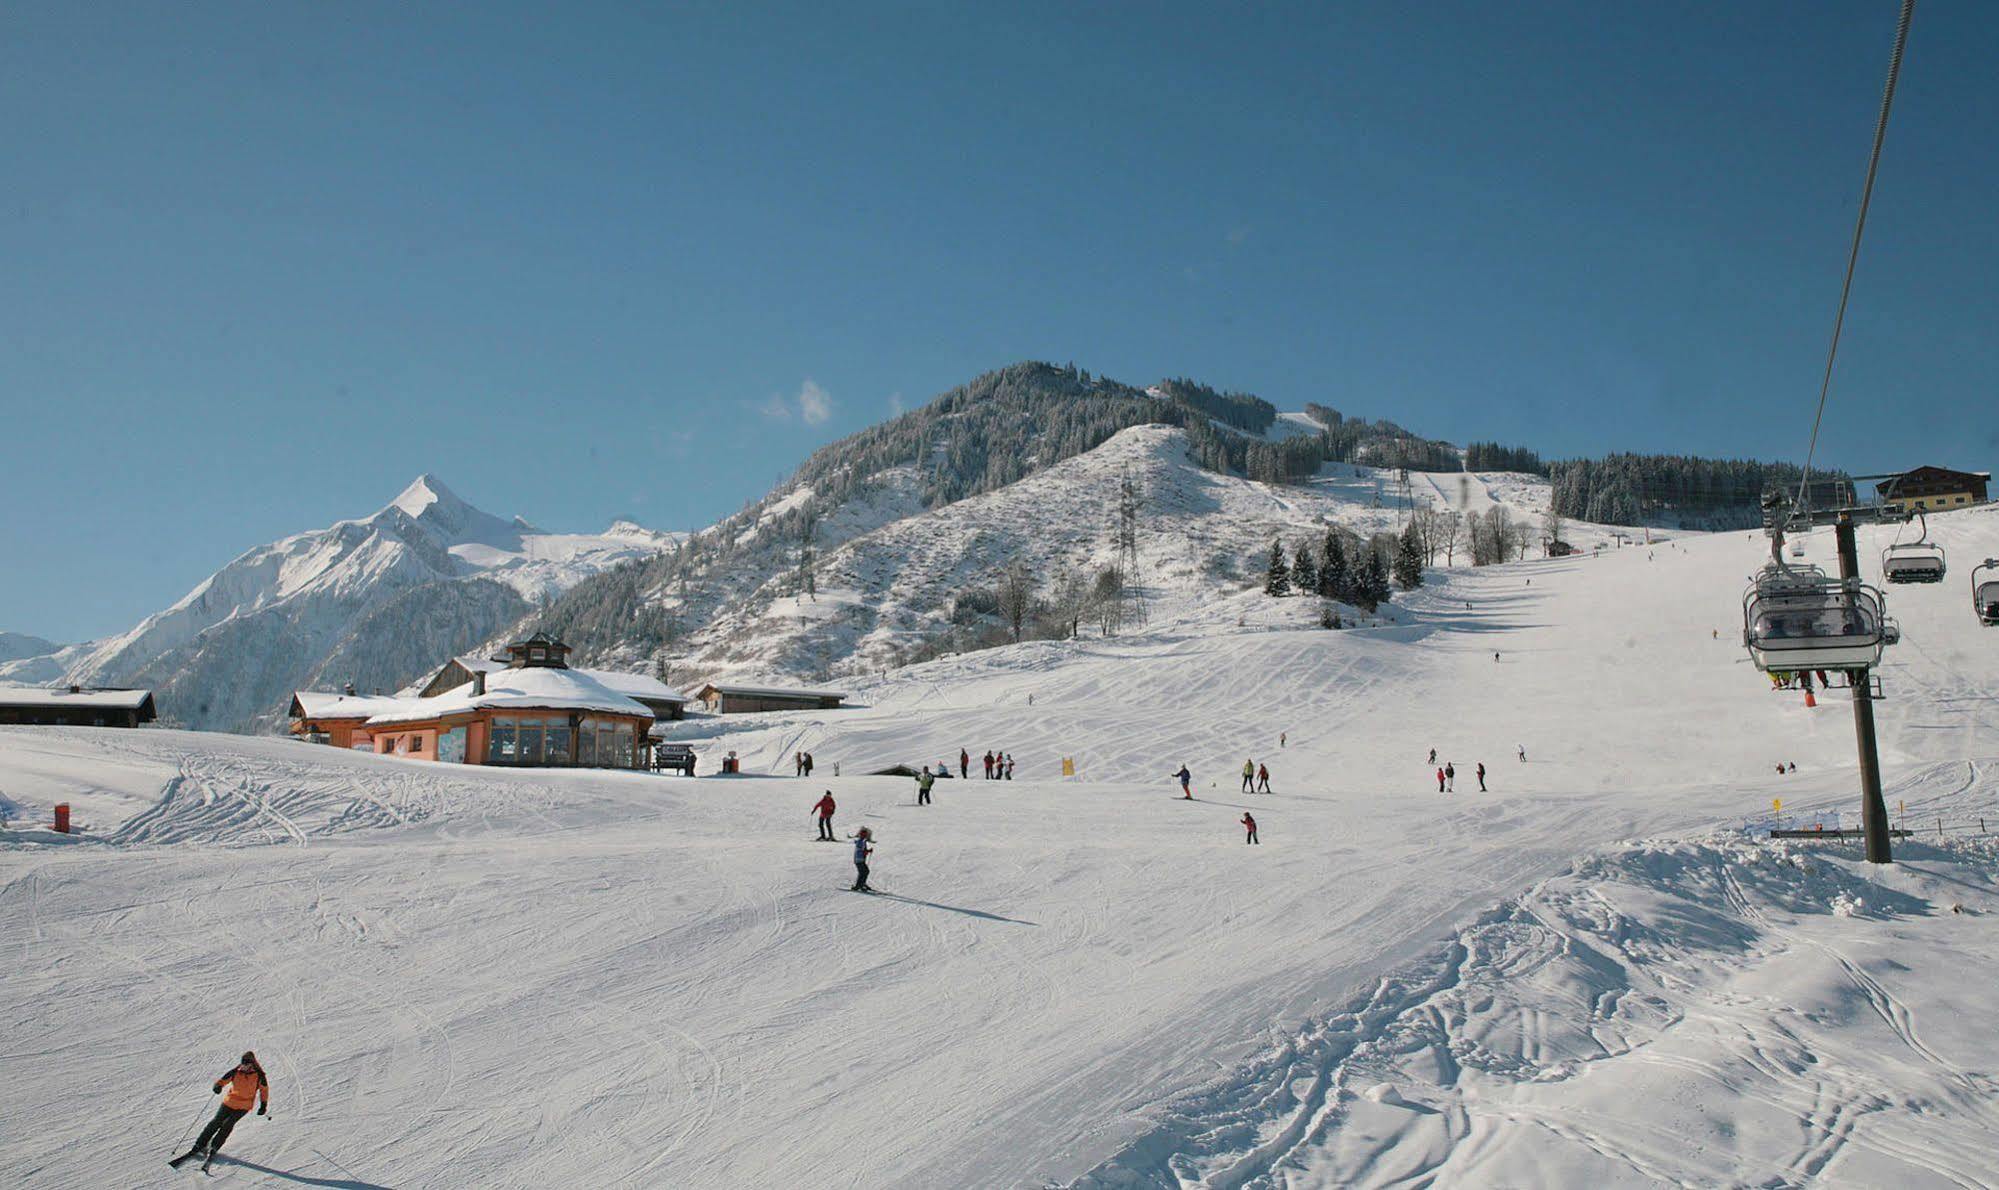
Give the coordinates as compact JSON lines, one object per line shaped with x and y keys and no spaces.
{"x":373,"y":601}
{"x":1587,"y":976}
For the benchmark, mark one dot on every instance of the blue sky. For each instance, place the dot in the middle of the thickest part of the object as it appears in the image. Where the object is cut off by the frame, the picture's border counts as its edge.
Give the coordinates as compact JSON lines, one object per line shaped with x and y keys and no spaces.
{"x":266,"y":263}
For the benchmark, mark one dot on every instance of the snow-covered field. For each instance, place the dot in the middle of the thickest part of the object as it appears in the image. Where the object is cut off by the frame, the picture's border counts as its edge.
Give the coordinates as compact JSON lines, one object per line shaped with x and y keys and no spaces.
{"x":1588,"y":976}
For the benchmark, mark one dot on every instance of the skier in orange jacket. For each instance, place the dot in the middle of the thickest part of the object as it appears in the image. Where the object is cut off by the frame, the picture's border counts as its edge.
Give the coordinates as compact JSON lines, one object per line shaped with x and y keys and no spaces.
{"x":247,"y":1085}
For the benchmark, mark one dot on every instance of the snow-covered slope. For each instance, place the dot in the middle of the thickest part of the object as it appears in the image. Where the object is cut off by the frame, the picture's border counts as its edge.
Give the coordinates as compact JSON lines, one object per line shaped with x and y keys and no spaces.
{"x":1584,"y":977}
{"x":892,"y":582}
{"x":229,"y":653}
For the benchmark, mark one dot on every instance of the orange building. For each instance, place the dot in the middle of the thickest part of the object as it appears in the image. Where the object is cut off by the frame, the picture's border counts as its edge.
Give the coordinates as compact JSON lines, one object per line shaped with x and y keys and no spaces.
{"x":534,"y":712}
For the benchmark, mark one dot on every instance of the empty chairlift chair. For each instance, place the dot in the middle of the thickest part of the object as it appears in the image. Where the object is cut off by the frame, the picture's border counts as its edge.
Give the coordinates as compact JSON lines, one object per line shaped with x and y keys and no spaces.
{"x":1913,"y":562}
{"x":1985,"y":592}
{"x":1799,"y":618}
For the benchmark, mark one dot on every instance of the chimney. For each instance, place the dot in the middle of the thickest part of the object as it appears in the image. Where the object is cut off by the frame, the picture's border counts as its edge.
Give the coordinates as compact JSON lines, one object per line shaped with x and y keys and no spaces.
{"x":75,"y":689}
{"x":478,"y":682}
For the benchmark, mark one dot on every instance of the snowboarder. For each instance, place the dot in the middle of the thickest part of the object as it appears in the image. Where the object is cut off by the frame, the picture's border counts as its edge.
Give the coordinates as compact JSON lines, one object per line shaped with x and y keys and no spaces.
{"x":247,"y":1085}
{"x":923,"y":784}
{"x":1450,"y":777}
{"x":964,"y":764}
{"x":863,"y":848}
{"x":1186,"y":783}
{"x":1249,"y":776}
{"x":1440,"y":780}
{"x":989,"y":766}
{"x":1262,"y":779}
{"x":1481,"y":776}
{"x":824,"y":809}
{"x":1249,"y":824}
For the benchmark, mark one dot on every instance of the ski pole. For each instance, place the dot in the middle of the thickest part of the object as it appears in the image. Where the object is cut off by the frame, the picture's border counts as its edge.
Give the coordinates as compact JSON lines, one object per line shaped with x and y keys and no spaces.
{"x":191,"y":1127}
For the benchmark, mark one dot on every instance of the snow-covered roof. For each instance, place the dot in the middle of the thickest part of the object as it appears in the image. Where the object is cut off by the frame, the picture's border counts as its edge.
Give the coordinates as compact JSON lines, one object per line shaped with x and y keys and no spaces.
{"x":770,"y":691}
{"x":320,"y":704}
{"x":43,"y":696}
{"x":632,"y":685}
{"x":532,"y":688}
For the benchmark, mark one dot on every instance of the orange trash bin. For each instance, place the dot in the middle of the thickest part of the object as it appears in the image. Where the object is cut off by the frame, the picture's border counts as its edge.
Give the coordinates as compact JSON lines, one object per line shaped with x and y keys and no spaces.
{"x":62,"y":818}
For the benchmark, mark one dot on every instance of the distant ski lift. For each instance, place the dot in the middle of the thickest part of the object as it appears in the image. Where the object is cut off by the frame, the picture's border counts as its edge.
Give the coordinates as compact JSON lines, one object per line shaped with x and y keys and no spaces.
{"x":1798,"y":617}
{"x":1913,"y":562}
{"x":1985,"y":591}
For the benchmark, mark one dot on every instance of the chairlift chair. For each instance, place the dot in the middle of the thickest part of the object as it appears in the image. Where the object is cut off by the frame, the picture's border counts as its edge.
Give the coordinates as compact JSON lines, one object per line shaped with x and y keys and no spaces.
{"x":1918,"y":561}
{"x":1800,"y":618}
{"x":1985,"y":592}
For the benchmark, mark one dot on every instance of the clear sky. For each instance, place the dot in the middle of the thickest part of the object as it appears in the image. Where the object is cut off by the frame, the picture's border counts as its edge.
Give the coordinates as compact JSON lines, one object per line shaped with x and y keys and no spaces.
{"x":265,"y":263}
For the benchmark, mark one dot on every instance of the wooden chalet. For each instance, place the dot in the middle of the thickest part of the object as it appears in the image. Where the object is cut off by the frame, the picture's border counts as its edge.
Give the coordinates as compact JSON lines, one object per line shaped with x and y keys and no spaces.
{"x":1928,"y":489}
{"x":725,"y":699}
{"x":76,"y":706}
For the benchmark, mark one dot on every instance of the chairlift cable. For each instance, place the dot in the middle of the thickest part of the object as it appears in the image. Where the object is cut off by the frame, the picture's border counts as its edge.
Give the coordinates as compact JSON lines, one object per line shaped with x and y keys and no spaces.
{"x":1859,"y":225}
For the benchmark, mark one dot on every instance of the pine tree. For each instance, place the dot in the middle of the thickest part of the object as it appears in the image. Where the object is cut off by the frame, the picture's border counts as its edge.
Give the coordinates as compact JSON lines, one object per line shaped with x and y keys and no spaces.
{"x":1335,"y":581}
{"x":1409,"y":559}
{"x":1277,"y":579}
{"x":1304,"y":572}
{"x":1371,"y":590}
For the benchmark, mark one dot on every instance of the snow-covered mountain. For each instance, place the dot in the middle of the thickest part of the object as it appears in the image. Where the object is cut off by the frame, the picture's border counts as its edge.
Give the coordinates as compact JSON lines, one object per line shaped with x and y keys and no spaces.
{"x":16,"y":646}
{"x":372,"y":601}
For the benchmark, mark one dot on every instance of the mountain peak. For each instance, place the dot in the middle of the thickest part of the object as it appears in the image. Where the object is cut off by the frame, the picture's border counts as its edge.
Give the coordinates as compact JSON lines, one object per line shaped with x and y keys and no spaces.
{"x":426,"y":490}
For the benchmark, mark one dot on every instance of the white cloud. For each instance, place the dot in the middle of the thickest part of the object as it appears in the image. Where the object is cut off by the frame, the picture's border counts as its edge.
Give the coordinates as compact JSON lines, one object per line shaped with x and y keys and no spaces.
{"x":895,"y":402}
{"x":815,"y":404}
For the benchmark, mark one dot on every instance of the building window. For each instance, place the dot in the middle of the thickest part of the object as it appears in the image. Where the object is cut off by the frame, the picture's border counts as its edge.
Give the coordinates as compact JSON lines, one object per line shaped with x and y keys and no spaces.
{"x":586,"y":744}
{"x":558,"y":741}
{"x":529,"y":733}
{"x":502,"y":748}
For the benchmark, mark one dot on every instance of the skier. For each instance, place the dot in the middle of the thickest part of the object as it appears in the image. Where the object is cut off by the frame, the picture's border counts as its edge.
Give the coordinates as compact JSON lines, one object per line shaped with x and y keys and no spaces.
{"x":1433,"y":756}
{"x":863,"y":848}
{"x":1481,"y":776}
{"x":247,"y":1085}
{"x":1440,"y":780}
{"x":1450,"y":777}
{"x":1523,"y":754}
{"x":964,"y":764}
{"x":1495,"y":656}
{"x":1249,"y":824}
{"x":1281,"y":737}
{"x":923,"y":784}
{"x":1262,"y":779}
{"x":1009,"y":767}
{"x":1249,"y":776}
{"x":824,"y":809}
{"x":1186,"y":783}
{"x":989,"y":766}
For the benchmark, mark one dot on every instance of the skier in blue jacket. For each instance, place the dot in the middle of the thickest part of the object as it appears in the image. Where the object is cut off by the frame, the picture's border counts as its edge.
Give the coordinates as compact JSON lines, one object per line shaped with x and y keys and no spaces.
{"x":863,"y":848}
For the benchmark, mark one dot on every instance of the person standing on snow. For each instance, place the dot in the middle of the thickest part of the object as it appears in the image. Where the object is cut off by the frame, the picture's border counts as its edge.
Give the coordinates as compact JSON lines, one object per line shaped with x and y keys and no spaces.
{"x":964,"y":764}
{"x":1249,"y":824}
{"x":923,"y":784}
{"x":1009,"y":767}
{"x":1263,"y":778}
{"x":1523,"y":754}
{"x":1186,"y":783}
{"x":247,"y":1085}
{"x":824,"y":809}
{"x":1440,"y":780}
{"x":808,"y":764}
{"x":863,"y":848}
{"x":1433,"y":756}
{"x":1481,"y":776}
{"x":1450,"y":777}
{"x":798,"y":764}
{"x":1281,"y":737}
{"x":989,"y":766}
{"x":1249,"y":776}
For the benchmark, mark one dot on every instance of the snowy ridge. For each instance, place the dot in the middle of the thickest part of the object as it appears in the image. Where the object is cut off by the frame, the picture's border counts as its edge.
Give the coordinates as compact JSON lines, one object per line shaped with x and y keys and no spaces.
{"x":229,"y":652}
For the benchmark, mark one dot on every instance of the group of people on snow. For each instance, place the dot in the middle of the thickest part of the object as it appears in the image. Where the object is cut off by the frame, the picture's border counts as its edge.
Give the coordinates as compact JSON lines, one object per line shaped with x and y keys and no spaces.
{"x":999,"y":766}
{"x":1255,"y":777}
{"x":801,"y":764}
{"x":1447,"y":776}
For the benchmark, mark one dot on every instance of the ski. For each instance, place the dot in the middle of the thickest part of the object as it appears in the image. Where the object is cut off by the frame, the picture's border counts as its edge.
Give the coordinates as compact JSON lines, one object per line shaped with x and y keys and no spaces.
{"x":177,"y":1161}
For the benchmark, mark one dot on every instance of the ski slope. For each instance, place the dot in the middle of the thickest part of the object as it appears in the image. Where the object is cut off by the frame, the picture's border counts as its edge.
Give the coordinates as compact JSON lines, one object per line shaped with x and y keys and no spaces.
{"x":1584,"y":977}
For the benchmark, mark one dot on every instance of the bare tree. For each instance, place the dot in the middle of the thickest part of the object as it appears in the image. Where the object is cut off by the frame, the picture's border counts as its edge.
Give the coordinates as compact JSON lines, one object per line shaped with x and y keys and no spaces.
{"x":1450,"y":531}
{"x":1551,"y":526}
{"x":1015,"y":596}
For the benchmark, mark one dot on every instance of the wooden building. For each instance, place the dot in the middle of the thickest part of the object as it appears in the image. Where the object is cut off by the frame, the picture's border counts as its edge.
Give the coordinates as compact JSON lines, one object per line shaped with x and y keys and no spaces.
{"x":664,"y":701}
{"x":76,"y":706}
{"x":532,"y":711}
{"x":723,"y":699}
{"x":1928,"y":489}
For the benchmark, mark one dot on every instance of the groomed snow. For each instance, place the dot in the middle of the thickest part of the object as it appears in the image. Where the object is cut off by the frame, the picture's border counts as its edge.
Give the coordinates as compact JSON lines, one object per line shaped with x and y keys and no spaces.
{"x":1586,"y":977}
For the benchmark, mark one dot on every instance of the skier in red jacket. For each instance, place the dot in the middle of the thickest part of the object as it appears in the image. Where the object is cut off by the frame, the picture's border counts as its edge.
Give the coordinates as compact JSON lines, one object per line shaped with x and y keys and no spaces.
{"x":824,"y":809}
{"x":1440,"y":780}
{"x":1249,"y":824}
